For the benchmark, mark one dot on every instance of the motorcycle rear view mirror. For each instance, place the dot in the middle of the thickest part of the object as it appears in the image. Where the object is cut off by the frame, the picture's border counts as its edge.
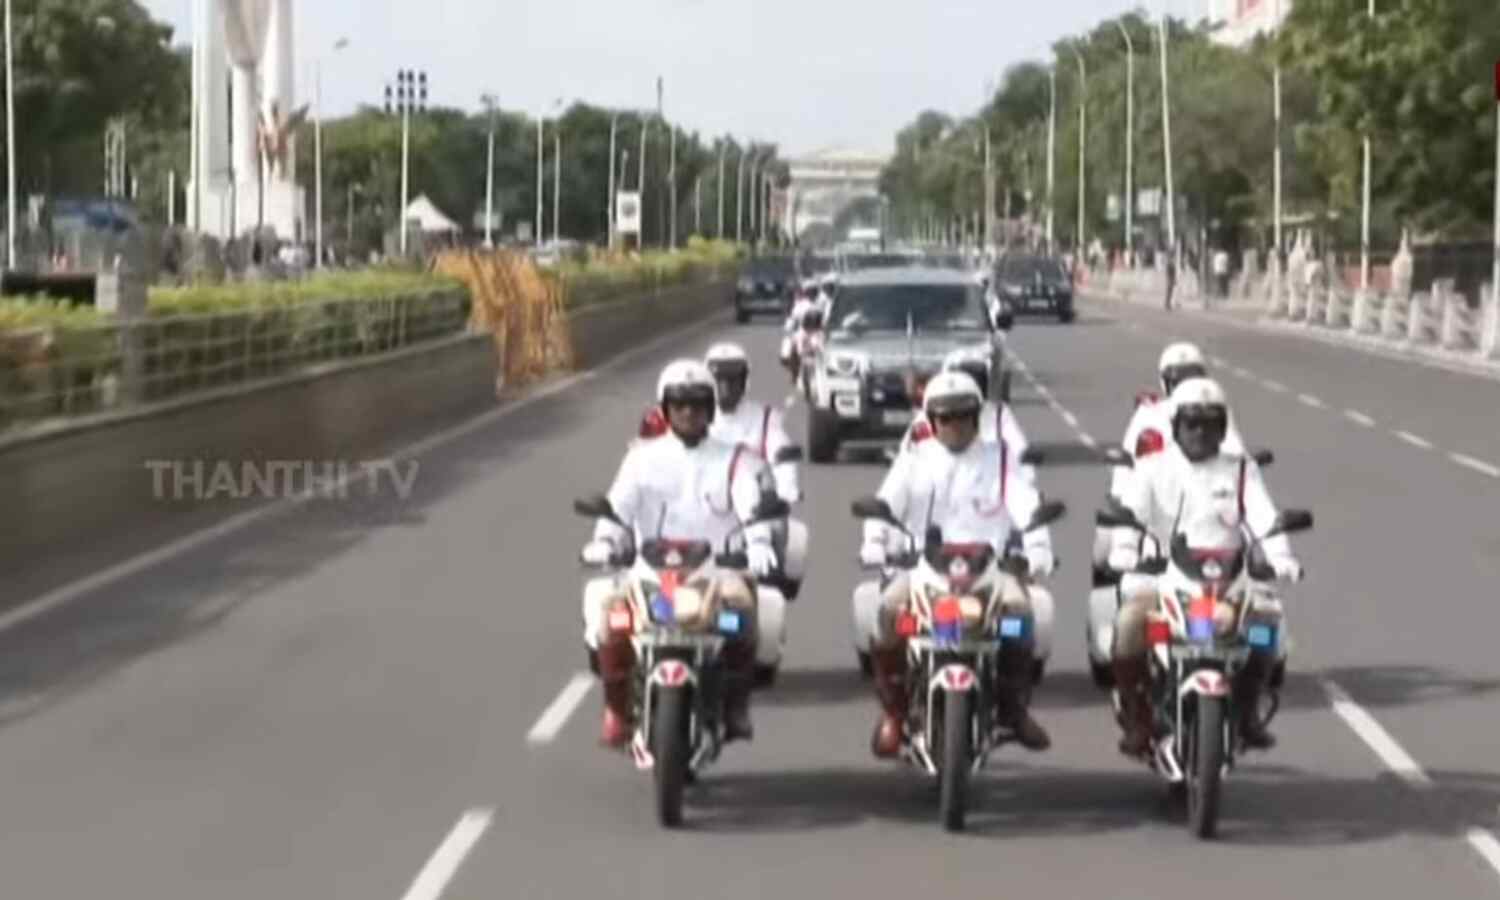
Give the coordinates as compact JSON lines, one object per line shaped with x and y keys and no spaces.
{"x":1031,"y":456}
{"x":1263,"y":458}
{"x":873,"y":508}
{"x":1047,"y":513}
{"x":1289,"y":521}
{"x":596,"y":507}
{"x":789,"y":453}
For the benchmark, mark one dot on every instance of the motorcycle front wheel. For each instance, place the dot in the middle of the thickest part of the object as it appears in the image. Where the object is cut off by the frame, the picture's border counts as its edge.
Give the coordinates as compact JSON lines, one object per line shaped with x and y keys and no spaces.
{"x":953,"y":791}
{"x":670,"y":747}
{"x":1207,"y":765}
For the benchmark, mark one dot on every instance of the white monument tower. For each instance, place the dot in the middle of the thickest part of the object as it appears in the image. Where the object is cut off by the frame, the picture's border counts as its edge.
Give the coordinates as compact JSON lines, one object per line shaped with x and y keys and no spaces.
{"x":244,"y":165}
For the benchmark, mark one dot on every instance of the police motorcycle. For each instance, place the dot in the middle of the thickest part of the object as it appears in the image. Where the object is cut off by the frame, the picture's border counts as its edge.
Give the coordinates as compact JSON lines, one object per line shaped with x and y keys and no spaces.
{"x":955,"y":627}
{"x":1193,"y":663}
{"x":1105,"y":594}
{"x":679,"y":630}
{"x":1031,"y":456}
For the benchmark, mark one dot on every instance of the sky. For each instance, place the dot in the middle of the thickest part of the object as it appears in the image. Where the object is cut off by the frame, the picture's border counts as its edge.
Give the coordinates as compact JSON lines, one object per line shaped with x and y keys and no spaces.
{"x":805,"y":74}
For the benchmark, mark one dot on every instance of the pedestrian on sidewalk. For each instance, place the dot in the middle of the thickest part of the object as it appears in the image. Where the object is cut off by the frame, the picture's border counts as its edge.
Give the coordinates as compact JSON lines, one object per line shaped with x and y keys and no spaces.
{"x":1171,"y":278}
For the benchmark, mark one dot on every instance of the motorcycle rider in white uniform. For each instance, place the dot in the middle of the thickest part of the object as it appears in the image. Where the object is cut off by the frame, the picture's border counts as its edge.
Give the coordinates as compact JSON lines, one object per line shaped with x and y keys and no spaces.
{"x":760,"y":427}
{"x":996,"y":420}
{"x":1148,"y":432}
{"x":684,"y":484}
{"x":794,"y":329}
{"x":1196,"y":486}
{"x":951,"y":471}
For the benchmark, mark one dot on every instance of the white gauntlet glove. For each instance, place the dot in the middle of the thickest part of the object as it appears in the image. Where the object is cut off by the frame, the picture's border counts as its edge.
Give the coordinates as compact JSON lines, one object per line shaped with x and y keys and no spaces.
{"x":597,"y":552}
{"x":762,"y":559}
{"x":872,"y":554}
{"x":1124,"y":559}
{"x":1287,"y":569}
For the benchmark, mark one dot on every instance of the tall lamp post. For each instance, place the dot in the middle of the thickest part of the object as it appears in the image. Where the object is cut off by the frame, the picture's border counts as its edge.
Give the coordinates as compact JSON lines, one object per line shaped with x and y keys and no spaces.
{"x":489,"y":175}
{"x":1129,"y":247}
{"x":1051,"y":150}
{"x":1364,"y":217}
{"x":411,"y":92}
{"x":1083,"y":100}
{"x":340,"y":44}
{"x":10,"y":141}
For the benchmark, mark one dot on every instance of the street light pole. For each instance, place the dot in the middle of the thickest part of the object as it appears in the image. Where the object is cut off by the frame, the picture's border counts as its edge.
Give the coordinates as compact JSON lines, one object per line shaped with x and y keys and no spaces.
{"x":1166,"y":138}
{"x":1276,"y":164}
{"x":556,"y":180}
{"x":640,"y":182}
{"x":489,"y":177}
{"x":340,"y":44}
{"x":1083,"y":102}
{"x":1051,"y":148}
{"x":539,"y":185}
{"x":10,"y":142}
{"x":739,"y":199}
{"x":1129,"y":248}
{"x":609,"y":204}
{"x":722,"y":144}
{"x":1364,"y":225}
{"x":672,"y":188}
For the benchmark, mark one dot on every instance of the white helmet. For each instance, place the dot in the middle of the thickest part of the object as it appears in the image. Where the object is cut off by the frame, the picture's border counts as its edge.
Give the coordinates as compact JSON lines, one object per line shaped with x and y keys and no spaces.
{"x":1204,"y":400}
{"x":1180,"y":361}
{"x":951,"y":392}
{"x":690,"y":379}
{"x":728,"y":362}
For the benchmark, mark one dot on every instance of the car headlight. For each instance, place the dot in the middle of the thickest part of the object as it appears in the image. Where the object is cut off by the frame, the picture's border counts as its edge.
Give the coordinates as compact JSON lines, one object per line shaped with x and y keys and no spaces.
{"x":746,"y":285}
{"x":845,"y":364}
{"x":1012,"y":291}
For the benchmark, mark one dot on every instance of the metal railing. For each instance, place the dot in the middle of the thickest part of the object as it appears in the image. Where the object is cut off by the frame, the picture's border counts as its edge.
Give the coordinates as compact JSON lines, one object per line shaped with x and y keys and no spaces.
{"x":1440,"y":321}
{"x":65,"y":371}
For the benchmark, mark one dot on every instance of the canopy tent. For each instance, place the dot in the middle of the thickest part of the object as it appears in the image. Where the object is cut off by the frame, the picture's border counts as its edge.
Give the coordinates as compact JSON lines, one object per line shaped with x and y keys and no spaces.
{"x":429,"y":217}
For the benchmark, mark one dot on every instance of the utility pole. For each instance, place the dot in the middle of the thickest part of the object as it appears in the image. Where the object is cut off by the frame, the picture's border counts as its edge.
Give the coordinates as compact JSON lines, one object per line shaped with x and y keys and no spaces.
{"x":722,"y":145}
{"x":1051,"y":147}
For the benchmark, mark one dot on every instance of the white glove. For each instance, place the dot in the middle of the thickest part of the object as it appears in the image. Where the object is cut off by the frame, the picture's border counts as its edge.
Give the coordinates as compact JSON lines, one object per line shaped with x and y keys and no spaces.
{"x":872,"y":554}
{"x":762,"y":559}
{"x":1287,"y":569}
{"x":598,"y":552}
{"x":1124,"y":559}
{"x":1041,"y":561}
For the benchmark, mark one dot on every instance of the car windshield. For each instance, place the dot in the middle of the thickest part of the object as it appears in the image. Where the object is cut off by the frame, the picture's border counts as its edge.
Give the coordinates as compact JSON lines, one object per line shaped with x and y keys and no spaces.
{"x":1027,"y":268}
{"x":937,"y":307}
{"x":856,"y":262}
{"x":769,"y":267}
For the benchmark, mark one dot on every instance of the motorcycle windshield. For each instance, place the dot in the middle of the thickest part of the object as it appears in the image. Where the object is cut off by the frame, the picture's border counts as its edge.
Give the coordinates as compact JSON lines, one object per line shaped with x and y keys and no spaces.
{"x":671,"y":553}
{"x":967,"y":526}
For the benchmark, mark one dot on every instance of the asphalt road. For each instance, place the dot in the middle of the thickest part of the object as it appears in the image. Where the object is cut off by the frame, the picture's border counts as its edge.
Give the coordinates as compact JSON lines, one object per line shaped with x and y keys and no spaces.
{"x":335,"y":702}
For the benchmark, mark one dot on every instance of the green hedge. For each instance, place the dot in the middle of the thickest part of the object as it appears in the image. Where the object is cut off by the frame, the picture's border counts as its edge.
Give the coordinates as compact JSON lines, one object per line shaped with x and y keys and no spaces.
{"x":607,"y":279}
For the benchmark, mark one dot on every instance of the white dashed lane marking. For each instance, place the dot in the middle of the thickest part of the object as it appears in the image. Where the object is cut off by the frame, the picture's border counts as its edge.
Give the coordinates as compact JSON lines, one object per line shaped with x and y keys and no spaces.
{"x":1355,"y":415}
{"x":1310,"y":400}
{"x":1477,"y":465}
{"x":1414,"y":440}
{"x":1275,"y":386}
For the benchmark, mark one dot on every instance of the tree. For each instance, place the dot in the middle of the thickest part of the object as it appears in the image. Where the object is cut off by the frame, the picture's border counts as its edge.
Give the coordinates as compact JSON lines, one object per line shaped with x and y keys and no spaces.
{"x":1416,"y":79}
{"x":80,"y":63}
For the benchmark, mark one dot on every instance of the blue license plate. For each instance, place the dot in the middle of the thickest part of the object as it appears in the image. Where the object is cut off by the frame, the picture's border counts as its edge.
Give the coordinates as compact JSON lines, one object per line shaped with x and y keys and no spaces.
{"x":1261,"y":636}
{"x":729,"y":622}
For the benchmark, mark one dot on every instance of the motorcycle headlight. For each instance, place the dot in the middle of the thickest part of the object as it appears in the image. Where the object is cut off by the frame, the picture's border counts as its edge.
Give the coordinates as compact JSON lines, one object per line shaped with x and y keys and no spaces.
{"x":688,"y":605}
{"x":972,"y":611}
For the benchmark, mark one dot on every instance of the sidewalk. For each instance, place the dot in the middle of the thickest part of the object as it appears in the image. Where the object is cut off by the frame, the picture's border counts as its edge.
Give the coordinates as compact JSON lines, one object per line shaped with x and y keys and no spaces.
{"x":1251,"y":315}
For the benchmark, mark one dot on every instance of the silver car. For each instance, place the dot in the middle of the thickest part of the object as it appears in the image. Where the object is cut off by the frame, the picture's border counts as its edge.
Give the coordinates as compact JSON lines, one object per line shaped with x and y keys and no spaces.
{"x":887,"y":332}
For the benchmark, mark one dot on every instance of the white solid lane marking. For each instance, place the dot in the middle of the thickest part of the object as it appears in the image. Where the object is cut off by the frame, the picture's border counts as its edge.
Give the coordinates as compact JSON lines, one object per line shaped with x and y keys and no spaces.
{"x":1068,"y":417}
{"x":1375,"y":736}
{"x":1486,"y":846}
{"x":1310,"y":400}
{"x":1414,"y":440}
{"x":1355,"y":415}
{"x":555,"y":716}
{"x":1243,"y":373}
{"x":1400,"y":762}
{"x":1276,"y":386}
{"x":1477,"y":465}
{"x":67,"y":593}
{"x":443,"y":865}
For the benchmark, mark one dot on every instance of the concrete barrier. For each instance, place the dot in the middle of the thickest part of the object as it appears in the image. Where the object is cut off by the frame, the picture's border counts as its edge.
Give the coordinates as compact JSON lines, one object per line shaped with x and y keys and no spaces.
{"x":83,"y":496}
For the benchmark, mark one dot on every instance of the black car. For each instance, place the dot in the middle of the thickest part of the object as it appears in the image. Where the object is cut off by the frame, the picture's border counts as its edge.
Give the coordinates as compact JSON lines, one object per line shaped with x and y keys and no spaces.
{"x":1027,"y":283}
{"x":766,"y":285}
